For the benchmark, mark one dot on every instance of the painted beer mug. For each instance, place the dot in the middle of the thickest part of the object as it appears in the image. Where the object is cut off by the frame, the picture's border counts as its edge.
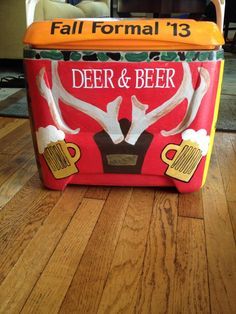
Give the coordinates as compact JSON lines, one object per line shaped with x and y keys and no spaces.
{"x":188,"y":154}
{"x":55,"y":150}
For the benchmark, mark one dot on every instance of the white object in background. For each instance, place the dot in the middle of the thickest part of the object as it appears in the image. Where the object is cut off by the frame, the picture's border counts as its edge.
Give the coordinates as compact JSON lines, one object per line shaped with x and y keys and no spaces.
{"x":30,"y":6}
{"x":220,"y":13}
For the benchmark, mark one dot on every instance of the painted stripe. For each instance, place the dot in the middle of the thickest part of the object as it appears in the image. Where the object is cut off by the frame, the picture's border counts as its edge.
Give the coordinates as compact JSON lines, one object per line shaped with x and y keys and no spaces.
{"x":213,"y":127}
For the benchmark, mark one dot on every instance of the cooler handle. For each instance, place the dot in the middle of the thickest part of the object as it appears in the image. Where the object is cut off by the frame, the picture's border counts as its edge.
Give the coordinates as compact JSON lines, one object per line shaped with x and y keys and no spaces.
{"x":220,"y":13}
{"x":30,"y":6}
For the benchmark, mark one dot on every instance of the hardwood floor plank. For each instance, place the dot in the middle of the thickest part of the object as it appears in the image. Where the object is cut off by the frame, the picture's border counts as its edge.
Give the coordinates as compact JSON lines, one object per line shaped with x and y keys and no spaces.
{"x":191,"y":293}
{"x":233,"y":141}
{"x":114,"y":250}
{"x":20,"y":219}
{"x":9,"y":124}
{"x":5,"y":121}
{"x":13,"y":142}
{"x":157,"y":281}
{"x":220,"y":244}
{"x":10,"y":164}
{"x":53,"y":284}
{"x":87,"y":285}
{"x":227,"y":163}
{"x":25,"y":273}
{"x":232,"y":213}
{"x":23,"y":197}
{"x":97,"y":192}
{"x":190,"y":205}
{"x":121,"y":289}
{"x":15,"y":182}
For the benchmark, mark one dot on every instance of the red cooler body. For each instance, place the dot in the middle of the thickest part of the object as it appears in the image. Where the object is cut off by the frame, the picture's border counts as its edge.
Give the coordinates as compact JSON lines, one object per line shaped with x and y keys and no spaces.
{"x":130,"y":117}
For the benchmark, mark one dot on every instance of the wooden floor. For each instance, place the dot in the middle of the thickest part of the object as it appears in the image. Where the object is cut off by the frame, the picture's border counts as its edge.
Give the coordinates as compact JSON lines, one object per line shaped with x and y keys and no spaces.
{"x":114,"y":250}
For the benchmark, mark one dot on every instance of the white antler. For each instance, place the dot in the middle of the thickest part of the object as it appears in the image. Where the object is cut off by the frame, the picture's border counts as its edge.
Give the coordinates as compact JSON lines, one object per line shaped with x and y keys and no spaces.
{"x":108,"y":120}
{"x":52,"y":100}
{"x":194,"y":99}
{"x":141,"y":120}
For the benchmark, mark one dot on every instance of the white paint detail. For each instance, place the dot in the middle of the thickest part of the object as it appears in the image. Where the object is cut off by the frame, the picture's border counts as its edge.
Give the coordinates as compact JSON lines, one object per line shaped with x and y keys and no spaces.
{"x":48,"y":135}
{"x":200,"y":137}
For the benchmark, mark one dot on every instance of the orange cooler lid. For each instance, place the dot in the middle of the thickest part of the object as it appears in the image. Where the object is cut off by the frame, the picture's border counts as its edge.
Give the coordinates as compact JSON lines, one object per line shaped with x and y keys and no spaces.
{"x":132,"y":34}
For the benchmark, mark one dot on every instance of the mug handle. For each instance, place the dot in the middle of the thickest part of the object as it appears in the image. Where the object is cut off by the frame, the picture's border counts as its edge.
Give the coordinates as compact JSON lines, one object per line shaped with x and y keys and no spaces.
{"x":165,"y":151}
{"x":77,"y":154}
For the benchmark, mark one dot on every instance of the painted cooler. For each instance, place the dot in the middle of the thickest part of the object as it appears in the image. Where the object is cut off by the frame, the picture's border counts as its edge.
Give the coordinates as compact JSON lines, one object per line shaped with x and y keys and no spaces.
{"x":123,"y":102}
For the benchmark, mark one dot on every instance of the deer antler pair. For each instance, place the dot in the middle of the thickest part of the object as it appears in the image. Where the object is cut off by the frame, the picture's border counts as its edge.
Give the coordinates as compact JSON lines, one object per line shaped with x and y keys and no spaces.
{"x":140,"y":119}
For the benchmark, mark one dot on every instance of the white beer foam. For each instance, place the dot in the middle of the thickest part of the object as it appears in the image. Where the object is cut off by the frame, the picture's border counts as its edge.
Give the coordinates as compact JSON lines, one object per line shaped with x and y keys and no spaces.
{"x":200,"y":137}
{"x":48,"y":135}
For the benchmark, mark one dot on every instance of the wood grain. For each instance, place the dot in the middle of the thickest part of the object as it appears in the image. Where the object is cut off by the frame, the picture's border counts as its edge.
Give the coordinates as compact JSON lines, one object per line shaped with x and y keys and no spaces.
{"x":52,"y":286}
{"x":191,"y":277}
{"x":5,"y":121}
{"x":114,"y":250}
{"x":86,"y":288}
{"x":190,"y":205}
{"x":227,"y":166}
{"x":10,"y":164}
{"x":25,"y":273}
{"x":20,"y":220}
{"x":121,"y":289}
{"x":13,"y":142}
{"x":227,"y":161}
{"x":220,"y":243}
{"x":233,"y":140}
{"x":7,"y":125}
{"x":232,"y":214}
{"x":97,"y":192}
{"x":15,"y":182}
{"x":157,"y":280}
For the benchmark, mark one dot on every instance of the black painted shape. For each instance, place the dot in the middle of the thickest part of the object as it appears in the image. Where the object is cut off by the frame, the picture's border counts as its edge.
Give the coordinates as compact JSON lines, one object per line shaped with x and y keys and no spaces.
{"x":107,"y":147}
{"x":196,"y":56}
{"x":66,"y":55}
{"x":182,"y":56}
{"x":154,"y":55}
{"x":92,"y":57}
{"x":114,"y":55}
